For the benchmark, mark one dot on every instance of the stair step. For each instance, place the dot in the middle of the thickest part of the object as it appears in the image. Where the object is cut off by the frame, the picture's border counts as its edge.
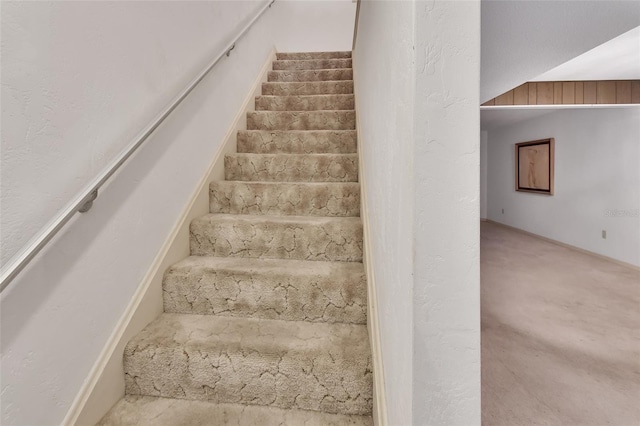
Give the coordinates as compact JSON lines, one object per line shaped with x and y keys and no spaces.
{"x":311,"y":64}
{"x":301,"y":120}
{"x":291,"y":167}
{"x":134,"y":410}
{"x":290,"y":199}
{"x":297,"y":141}
{"x":308,"y":88}
{"x":277,"y":237}
{"x":286,"y":364}
{"x":305,"y":103}
{"x":293,"y":290}
{"x":312,"y":55}
{"x":311,"y":75}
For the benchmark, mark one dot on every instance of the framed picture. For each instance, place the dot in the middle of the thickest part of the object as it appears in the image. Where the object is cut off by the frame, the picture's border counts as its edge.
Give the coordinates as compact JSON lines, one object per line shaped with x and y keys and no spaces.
{"x":534,"y":166}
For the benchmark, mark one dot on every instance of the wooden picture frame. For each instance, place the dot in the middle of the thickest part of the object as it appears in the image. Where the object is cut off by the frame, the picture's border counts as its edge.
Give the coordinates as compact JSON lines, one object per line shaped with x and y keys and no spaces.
{"x":534,"y":166}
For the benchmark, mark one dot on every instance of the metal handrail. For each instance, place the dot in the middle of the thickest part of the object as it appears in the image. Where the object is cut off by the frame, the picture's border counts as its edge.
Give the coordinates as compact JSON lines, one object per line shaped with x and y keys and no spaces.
{"x":84,"y":200}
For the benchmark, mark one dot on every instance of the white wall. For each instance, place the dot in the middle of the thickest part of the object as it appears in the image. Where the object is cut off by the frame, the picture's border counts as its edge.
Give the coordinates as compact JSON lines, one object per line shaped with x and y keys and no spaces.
{"x":384,"y":80}
{"x":597,"y":158}
{"x":415,"y":86}
{"x":446,"y":307}
{"x":484,"y":137}
{"x":523,"y":39}
{"x":318,"y":25}
{"x":79,"y":79}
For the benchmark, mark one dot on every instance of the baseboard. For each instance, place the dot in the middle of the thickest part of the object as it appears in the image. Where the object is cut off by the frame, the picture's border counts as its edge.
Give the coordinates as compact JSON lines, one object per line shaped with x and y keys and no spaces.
{"x":484,"y":219}
{"x":373,"y":324}
{"x":560,"y":243}
{"x":105,"y":383}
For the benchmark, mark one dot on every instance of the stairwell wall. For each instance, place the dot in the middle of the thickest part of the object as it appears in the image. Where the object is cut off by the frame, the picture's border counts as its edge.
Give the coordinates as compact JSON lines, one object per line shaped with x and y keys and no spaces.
{"x":383,"y":69}
{"x":79,"y":79}
{"x":446,"y":346}
{"x":418,"y":97}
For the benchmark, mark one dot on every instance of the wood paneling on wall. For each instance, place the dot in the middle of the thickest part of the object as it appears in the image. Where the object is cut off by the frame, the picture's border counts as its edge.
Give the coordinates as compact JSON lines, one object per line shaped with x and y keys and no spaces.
{"x":571,"y":93}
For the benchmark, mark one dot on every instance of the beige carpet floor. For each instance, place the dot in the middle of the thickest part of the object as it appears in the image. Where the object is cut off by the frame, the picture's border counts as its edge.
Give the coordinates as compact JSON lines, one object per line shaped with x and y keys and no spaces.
{"x":560,"y":334}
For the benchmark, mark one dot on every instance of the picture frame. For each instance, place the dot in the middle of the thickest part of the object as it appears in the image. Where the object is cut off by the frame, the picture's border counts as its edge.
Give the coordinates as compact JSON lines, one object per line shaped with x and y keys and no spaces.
{"x":535,"y":166}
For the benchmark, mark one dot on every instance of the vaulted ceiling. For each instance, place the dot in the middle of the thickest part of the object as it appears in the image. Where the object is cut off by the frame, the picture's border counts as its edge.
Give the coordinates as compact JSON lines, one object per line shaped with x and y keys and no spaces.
{"x":522,"y":39}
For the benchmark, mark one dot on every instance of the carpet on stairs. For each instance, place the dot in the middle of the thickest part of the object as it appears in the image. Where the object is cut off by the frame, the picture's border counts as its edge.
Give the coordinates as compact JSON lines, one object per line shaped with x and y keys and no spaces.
{"x":265,"y":322}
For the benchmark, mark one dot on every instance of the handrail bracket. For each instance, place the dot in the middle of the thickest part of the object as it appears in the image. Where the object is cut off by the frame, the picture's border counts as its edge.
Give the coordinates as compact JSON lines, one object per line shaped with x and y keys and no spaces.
{"x":88,"y":203}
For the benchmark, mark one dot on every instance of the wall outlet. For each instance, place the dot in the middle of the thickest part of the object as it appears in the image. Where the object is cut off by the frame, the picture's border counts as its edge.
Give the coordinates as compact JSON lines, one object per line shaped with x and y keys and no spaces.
{"x":502,"y":211}
{"x":604,"y":234}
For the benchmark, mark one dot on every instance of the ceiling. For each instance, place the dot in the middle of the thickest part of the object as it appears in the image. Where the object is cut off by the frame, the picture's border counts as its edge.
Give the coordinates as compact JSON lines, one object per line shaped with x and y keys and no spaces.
{"x":522,"y":39}
{"x":617,"y":59}
{"x":494,"y":118}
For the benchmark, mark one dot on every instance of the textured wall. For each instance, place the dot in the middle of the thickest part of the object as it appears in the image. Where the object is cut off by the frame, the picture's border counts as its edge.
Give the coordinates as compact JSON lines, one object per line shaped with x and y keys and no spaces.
{"x":79,"y":79}
{"x":484,"y":164}
{"x":446,"y":310}
{"x":596,"y":170}
{"x":318,"y":25}
{"x":417,"y":91}
{"x":384,"y":87}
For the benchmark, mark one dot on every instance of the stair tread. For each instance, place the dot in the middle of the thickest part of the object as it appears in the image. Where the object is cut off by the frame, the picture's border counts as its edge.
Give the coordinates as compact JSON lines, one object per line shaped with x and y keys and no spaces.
{"x":134,"y":410}
{"x":280,"y":266}
{"x":213,"y":332}
{"x":299,"y":132}
{"x":302,"y":120}
{"x":289,"y":364}
{"x":310,"y":64}
{"x":329,"y":74}
{"x":303,"y":220}
{"x":318,"y":96}
{"x":297,"y":141}
{"x":248,"y":167}
{"x":313,"y":55}
{"x":311,"y":60}
{"x":285,"y":156}
{"x":307,"y":87}
{"x":285,"y":198}
{"x":324,"y":102}
{"x":318,"y":238}
{"x":273,"y":289}
{"x":354,"y":185}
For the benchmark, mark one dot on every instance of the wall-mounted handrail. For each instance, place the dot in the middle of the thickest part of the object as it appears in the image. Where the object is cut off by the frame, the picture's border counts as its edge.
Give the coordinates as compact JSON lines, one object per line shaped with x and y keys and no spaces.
{"x":355,"y":26}
{"x":84,"y":200}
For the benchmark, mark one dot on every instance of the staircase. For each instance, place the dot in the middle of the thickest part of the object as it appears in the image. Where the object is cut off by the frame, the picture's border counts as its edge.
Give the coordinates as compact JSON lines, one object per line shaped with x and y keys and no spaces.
{"x":265,"y":322}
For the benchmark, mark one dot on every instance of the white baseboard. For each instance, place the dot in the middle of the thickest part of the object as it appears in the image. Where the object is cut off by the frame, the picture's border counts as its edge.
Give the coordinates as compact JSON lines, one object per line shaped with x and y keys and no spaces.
{"x":379,"y":395}
{"x":560,"y":243}
{"x":105,"y":384}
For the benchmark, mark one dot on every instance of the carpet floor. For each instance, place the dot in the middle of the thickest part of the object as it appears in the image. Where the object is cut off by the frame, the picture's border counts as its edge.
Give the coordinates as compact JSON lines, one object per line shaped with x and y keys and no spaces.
{"x":560,"y":334}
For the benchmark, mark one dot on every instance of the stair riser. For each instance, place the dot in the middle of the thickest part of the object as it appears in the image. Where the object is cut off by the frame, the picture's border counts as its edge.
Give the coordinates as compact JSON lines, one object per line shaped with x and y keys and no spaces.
{"x":312,"y":55}
{"x":305,"y":103}
{"x":311,"y":75}
{"x":331,"y":241}
{"x":335,"y":297}
{"x":291,"y":168}
{"x":297,"y":142}
{"x":311,"y":64}
{"x":334,"y":200}
{"x":306,"y":120}
{"x":339,"y":382}
{"x":308,"y":88}
{"x":141,"y":410}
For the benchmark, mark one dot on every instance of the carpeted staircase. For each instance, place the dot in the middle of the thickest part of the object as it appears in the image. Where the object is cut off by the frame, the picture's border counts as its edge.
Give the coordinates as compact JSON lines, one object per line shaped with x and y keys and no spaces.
{"x":265,"y":322}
